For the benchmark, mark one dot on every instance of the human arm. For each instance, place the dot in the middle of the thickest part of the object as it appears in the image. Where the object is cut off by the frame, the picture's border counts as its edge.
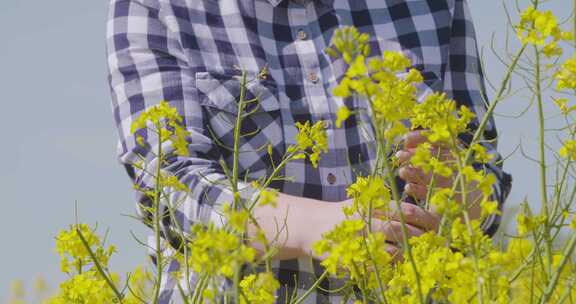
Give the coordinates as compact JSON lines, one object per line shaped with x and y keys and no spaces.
{"x":147,"y":64}
{"x":296,"y":223}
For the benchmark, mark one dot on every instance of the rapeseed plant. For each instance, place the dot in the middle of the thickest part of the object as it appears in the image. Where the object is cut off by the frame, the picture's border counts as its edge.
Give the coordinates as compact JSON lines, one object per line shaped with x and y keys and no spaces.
{"x":458,"y":263}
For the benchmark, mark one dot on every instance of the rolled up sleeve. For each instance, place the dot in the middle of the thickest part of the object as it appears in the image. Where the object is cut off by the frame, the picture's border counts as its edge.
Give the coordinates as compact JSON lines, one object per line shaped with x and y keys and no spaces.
{"x":146,"y":65}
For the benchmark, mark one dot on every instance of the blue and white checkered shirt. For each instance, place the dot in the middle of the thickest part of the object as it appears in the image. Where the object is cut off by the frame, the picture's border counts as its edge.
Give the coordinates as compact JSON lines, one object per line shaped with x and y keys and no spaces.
{"x":187,"y":52}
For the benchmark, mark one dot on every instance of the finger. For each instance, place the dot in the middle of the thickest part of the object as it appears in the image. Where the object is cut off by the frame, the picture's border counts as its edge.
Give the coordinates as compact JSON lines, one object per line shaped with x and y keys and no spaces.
{"x":414,"y":175}
{"x":415,"y":216}
{"x":404,"y":156}
{"x":442,"y":153}
{"x":392,"y":230}
{"x":395,"y":252}
{"x":416,"y":190}
{"x":413,"y":138}
{"x":418,"y":177}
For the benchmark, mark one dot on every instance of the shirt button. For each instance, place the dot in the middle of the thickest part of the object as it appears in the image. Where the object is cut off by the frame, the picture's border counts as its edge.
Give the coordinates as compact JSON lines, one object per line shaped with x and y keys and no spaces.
{"x":301,"y":35}
{"x":331,"y":179}
{"x":313,"y":77}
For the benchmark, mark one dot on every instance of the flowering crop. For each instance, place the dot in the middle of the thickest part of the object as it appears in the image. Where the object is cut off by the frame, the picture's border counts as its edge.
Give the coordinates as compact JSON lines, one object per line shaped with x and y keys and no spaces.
{"x":455,"y":263}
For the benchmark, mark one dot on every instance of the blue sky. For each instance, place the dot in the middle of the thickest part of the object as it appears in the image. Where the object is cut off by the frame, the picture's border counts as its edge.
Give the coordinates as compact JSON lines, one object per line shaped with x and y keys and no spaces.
{"x":59,"y":143}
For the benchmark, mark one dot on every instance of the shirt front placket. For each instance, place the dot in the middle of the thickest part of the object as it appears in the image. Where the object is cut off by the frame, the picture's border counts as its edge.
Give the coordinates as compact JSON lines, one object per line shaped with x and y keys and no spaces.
{"x":302,"y":19}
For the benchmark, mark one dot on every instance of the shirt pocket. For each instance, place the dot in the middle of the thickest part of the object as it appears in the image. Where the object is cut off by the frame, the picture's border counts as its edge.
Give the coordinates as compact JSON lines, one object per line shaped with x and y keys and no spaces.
{"x":219,"y":94}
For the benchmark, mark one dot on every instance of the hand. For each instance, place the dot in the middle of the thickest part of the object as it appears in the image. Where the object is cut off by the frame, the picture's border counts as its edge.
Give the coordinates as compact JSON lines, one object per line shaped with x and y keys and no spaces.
{"x":418,"y":221}
{"x":418,"y":182}
{"x":298,"y":222}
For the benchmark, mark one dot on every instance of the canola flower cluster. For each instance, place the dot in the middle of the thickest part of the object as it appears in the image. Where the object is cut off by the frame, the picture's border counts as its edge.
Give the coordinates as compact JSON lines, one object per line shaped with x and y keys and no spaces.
{"x":431,"y":268}
{"x":220,"y":253}
{"x":456,"y":264}
{"x":566,"y":81}
{"x":84,"y":258}
{"x":541,"y":28}
{"x":462,"y":265}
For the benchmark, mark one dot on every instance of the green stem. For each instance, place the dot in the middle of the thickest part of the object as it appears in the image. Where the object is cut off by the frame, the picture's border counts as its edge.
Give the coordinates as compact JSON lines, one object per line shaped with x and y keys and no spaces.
{"x":99,"y":267}
{"x":542,"y":162}
{"x":567,"y":293}
{"x":482,"y":125}
{"x":235,"y":165}
{"x":182,"y":293}
{"x":182,"y":236}
{"x":464,"y":199}
{"x":382,"y":152}
{"x":237,"y":129}
{"x":565,"y":259}
{"x":200,"y":286}
{"x":376,"y":272}
{"x":503,"y":86}
{"x":363,"y":282}
{"x":252,"y":205}
{"x":156,"y":206}
{"x":312,"y":288}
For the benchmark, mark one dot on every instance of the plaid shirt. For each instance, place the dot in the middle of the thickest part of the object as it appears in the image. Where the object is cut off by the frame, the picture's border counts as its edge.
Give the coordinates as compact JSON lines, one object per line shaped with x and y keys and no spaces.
{"x":187,"y":51}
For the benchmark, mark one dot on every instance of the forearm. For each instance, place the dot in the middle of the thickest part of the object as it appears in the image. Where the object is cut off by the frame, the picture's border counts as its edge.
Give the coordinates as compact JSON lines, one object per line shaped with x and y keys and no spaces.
{"x":294,"y":224}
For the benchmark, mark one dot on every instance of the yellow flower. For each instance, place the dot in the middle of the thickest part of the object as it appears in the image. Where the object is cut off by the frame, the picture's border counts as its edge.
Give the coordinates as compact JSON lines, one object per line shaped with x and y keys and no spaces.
{"x":268,"y":197}
{"x":311,"y":140}
{"x":562,"y":103}
{"x":237,"y":219}
{"x":486,"y":183}
{"x":17,"y":290}
{"x":439,"y":115}
{"x":489,"y":208}
{"x":518,"y":250}
{"x":395,"y":61}
{"x":341,"y":115}
{"x":171,"y":181}
{"x":536,"y":27}
{"x":345,"y":249}
{"x":396,"y":129}
{"x":86,"y":288}
{"x":568,"y":150}
{"x":444,"y":202}
{"x":40,"y":285}
{"x":480,"y":154}
{"x":73,"y":253}
{"x":369,"y":194}
{"x":566,"y":76}
{"x":140,"y":288}
{"x":527,"y":222}
{"x":552,"y":50}
{"x":424,"y":160}
{"x":216,"y":251}
{"x":467,"y":240}
{"x":259,"y":288}
{"x":165,"y":121}
{"x":350,"y":43}
{"x":414,"y":76}
{"x":357,"y":68}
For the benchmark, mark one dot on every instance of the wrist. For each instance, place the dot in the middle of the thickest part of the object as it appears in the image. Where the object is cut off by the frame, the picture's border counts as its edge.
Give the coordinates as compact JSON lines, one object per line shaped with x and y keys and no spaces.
{"x":320,"y":218}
